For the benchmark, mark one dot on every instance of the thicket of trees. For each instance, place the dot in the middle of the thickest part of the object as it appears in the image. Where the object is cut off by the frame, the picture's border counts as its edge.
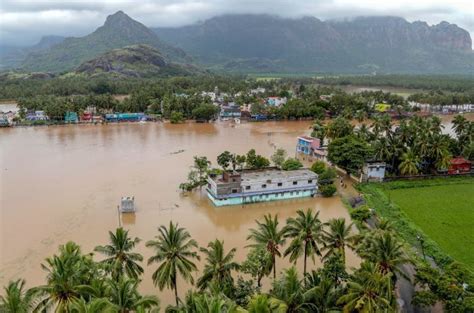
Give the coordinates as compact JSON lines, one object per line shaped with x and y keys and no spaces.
{"x":415,"y":145}
{"x":108,"y":280}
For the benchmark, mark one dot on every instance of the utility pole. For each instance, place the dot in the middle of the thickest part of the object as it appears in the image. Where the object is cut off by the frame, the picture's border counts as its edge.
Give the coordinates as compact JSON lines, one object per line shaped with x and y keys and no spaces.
{"x":118,"y":215}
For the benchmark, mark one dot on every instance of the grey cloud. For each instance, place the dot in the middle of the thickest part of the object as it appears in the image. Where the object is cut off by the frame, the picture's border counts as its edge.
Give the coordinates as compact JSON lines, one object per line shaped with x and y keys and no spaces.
{"x":22,"y":22}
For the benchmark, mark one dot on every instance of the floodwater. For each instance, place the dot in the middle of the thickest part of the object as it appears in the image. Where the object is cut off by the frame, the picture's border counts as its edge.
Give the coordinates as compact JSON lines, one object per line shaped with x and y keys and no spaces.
{"x":64,"y":183}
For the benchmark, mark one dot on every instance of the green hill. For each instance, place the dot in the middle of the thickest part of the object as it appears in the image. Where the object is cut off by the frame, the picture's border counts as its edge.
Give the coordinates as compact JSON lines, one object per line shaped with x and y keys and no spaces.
{"x":118,"y":31}
{"x":135,"y":61}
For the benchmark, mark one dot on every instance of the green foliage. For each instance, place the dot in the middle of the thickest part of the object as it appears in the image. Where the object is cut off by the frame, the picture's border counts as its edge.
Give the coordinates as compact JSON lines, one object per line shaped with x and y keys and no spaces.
{"x":327,"y":190}
{"x":205,"y":112}
{"x":278,"y":158}
{"x":176,"y":117}
{"x":258,"y":264}
{"x":255,"y":161}
{"x":349,"y":153}
{"x":120,"y":259}
{"x":224,"y":159}
{"x":318,"y":167}
{"x":361,"y":213}
{"x":291,"y":164}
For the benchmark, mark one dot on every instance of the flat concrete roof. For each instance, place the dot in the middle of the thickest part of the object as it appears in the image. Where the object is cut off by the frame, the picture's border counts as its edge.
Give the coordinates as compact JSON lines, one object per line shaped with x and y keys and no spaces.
{"x":277,"y":175}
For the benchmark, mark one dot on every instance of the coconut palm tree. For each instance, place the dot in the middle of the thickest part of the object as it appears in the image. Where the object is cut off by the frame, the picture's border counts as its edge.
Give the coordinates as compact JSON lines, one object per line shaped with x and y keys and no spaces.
{"x":219,"y":265}
{"x":205,"y":303}
{"x":120,"y":257}
{"x":459,"y":124}
{"x":268,"y":235}
{"x":69,"y":274}
{"x":368,"y":290}
{"x":174,"y":251}
{"x":386,"y":251}
{"x":337,"y":238}
{"x":261,"y":303}
{"x":305,"y":232}
{"x":409,"y":164}
{"x":288,"y":288}
{"x":322,"y":298}
{"x":96,"y":305}
{"x":17,"y":299}
{"x":124,"y":296}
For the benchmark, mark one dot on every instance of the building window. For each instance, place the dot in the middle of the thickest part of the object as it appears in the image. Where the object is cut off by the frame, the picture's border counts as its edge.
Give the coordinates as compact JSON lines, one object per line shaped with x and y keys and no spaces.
{"x":310,"y":181}
{"x":234,"y":190}
{"x":295,"y":183}
{"x":280,"y":184}
{"x":247,"y":187}
{"x":264,"y":186}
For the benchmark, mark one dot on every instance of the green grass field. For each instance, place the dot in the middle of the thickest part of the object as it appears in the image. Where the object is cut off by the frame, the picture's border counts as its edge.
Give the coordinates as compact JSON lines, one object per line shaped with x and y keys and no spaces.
{"x":445,"y":213}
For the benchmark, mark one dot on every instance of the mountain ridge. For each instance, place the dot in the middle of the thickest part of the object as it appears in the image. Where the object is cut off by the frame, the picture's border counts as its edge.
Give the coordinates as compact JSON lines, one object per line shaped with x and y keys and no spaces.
{"x":363,"y":44}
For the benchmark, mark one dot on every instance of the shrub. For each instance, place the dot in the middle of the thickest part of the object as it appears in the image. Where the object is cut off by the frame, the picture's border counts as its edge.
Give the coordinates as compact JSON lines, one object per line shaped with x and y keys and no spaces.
{"x":327,"y":190}
{"x":176,"y":117}
{"x":361,"y":213}
{"x":291,"y":164}
{"x":318,"y":167}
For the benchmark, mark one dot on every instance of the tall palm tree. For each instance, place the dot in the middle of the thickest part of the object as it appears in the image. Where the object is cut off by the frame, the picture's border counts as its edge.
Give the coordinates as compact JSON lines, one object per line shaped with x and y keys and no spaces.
{"x":337,"y":238}
{"x":174,"y":251}
{"x":305,"y":233}
{"x":368,"y":290}
{"x":385,"y":250}
{"x":125,"y":297}
{"x":409,"y":164}
{"x":96,"y":305}
{"x":268,"y":235}
{"x":219,"y":265}
{"x":205,"y":303}
{"x":69,"y":273}
{"x":17,"y":299}
{"x":119,"y":255}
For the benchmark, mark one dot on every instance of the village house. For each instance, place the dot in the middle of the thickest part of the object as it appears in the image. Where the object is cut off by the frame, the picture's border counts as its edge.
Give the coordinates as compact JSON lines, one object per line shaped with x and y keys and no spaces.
{"x":276,"y":101}
{"x":373,"y":171}
{"x":230,"y":110}
{"x":459,"y":165}
{"x":310,"y":148}
{"x":249,"y":186}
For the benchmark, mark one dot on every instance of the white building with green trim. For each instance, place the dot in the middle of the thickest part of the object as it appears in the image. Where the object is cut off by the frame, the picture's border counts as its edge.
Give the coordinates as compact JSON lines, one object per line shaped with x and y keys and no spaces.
{"x":250,"y":186}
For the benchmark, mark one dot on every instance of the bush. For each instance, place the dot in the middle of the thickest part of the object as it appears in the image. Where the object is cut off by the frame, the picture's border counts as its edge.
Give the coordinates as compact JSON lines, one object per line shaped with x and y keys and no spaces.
{"x":291,"y":164}
{"x":327,"y":176}
{"x":327,"y":190}
{"x":176,"y":117}
{"x":318,"y":167}
{"x":361,"y":213}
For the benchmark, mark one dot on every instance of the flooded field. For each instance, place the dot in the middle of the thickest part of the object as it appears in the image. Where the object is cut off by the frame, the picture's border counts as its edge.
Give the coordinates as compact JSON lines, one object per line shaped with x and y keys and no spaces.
{"x":64,"y":183}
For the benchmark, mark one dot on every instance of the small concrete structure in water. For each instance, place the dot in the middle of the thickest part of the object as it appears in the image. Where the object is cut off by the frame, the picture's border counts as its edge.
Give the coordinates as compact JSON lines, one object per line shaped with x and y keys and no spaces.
{"x":249,"y":186}
{"x":127,"y":205}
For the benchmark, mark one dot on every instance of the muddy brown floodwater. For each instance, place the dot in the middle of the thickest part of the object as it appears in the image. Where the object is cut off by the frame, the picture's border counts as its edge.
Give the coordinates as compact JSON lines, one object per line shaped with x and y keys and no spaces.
{"x":64,"y":183}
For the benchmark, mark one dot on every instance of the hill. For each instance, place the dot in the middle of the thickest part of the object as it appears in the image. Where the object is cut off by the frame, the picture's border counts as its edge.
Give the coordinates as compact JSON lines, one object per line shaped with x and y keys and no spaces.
{"x":361,"y":45}
{"x":118,"y":31}
{"x":134,"y":61}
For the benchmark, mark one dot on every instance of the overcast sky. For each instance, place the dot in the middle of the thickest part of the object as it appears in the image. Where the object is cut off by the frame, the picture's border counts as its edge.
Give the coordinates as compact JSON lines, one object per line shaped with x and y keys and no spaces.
{"x":23,"y":22}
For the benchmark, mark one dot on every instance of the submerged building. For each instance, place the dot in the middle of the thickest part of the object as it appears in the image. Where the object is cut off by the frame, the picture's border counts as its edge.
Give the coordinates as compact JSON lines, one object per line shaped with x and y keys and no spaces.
{"x":251,"y":186}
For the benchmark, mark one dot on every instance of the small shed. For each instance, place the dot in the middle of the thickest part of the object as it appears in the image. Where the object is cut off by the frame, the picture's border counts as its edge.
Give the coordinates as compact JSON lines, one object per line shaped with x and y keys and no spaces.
{"x":459,"y":165}
{"x":373,"y":171}
{"x":127,"y":205}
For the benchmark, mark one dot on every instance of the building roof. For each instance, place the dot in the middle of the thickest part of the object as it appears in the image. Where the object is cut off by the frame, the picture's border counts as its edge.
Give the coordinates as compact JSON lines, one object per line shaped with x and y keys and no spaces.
{"x":307,"y":138}
{"x":460,"y":160}
{"x":277,"y":175}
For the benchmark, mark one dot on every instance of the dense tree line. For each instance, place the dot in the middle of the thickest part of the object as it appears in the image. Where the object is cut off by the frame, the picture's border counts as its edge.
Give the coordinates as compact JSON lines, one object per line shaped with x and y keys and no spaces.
{"x":454,"y":83}
{"x":413,"y":146}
